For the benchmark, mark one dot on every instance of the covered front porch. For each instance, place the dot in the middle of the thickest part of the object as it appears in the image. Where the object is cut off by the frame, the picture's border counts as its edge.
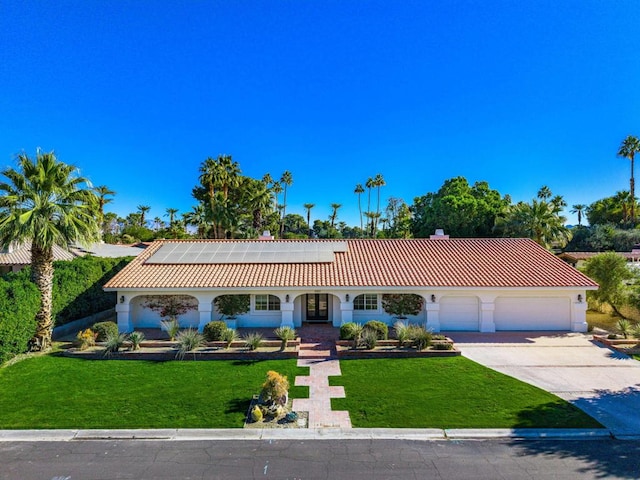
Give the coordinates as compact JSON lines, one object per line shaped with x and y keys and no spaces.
{"x":269,"y":309}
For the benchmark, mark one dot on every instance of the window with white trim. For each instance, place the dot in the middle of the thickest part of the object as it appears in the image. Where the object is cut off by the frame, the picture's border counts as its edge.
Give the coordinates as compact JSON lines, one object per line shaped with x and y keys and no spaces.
{"x":366,"y":301}
{"x":267,"y":303}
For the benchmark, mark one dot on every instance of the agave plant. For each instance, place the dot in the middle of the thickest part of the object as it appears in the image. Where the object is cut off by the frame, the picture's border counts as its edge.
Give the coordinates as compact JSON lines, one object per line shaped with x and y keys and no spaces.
{"x":624,"y":326}
{"x":285,"y":334}
{"x":253,"y":340}
{"x":357,"y":329}
{"x":188,"y":341}
{"x":228,"y":336}
{"x":172,"y":327}
{"x":136,"y":338}
{"x":402,"y":332}
{"x":113,"y":343}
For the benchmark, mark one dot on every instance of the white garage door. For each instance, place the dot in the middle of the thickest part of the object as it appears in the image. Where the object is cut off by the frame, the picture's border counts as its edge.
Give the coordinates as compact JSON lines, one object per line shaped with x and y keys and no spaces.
{"x":459,"y":313}
{"x":525,"y":313}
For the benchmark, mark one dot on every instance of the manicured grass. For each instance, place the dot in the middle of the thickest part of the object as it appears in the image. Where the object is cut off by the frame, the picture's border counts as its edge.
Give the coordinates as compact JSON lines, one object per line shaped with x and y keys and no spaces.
{"x":605,"y":321}
{"x":60,"y":392}
{"x":446,"y":393}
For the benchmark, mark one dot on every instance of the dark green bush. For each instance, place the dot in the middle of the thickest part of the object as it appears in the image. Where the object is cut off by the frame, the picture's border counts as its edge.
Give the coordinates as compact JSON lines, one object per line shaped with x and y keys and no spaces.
{"x":104,"y":330}
{"x":381,"y":330}
{"x":19,"y":303}
{"x":77,"y":287}
{"x":346,"y":331}
{"x":213,"y":331}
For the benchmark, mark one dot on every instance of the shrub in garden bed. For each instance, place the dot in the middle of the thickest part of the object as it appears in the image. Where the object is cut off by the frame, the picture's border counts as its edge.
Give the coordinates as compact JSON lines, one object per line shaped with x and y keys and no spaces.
{"x":105,"y":329}
{"x":213,"y":331}
{"x":381,"y":330}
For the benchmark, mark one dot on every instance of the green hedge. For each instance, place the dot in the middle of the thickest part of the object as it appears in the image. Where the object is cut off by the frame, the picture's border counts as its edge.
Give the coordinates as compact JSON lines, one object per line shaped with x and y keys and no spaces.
{"x":77,"y":287}
{"x":19,"y":303}
{"x":77,"y":293}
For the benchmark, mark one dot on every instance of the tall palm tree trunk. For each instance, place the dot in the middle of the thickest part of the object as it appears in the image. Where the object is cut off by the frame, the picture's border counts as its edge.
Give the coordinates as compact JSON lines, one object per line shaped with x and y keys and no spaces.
{"x":632,"y":192}
{"x":42,"y":276}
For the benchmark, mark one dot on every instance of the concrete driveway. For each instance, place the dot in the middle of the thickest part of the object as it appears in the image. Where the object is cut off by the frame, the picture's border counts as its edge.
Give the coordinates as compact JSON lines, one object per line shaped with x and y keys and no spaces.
{"x":600,"y":381}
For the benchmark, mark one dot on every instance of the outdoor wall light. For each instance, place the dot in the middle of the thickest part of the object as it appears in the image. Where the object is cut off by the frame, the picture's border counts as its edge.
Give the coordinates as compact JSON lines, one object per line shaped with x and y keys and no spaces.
{"x":346,"y":297}
{"x":433,"y":298}
{"x":287,"y":298}
{"x":122,"y":299}
{"x":579,"y":298}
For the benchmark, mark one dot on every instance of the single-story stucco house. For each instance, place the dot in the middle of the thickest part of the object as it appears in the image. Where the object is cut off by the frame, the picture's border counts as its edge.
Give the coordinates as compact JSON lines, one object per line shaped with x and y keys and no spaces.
{"x":479,"y":284}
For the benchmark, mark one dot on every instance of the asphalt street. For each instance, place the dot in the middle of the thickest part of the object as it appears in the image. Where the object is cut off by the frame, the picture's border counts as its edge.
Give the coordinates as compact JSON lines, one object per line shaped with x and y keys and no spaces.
{"x":320,"y":459}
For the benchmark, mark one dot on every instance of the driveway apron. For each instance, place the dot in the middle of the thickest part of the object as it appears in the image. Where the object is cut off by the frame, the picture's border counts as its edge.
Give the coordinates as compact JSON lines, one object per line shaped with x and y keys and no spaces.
{"x":600,"y":381}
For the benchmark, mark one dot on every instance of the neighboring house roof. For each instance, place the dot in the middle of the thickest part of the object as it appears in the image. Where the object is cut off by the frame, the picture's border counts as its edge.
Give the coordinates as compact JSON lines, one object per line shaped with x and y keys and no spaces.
{"x":581,"y":256}
{"x":21,"y":255}
{"x":487,"y":262}
{"x":112,"y":251}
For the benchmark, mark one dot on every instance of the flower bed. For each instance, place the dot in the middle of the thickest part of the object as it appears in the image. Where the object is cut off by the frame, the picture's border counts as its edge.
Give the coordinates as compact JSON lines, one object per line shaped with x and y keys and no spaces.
{"x":628,"y":346}
{"x":167,"y":351}
{"x":392,"y":349}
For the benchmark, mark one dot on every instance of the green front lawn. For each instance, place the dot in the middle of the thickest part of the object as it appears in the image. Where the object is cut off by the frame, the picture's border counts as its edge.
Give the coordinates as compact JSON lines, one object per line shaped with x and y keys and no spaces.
{"x":60,"y":392}
{"x":449,"y":392}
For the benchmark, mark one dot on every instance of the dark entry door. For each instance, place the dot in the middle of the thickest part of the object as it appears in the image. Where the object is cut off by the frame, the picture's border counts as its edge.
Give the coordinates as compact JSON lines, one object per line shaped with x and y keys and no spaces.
{"x":317,"y":307}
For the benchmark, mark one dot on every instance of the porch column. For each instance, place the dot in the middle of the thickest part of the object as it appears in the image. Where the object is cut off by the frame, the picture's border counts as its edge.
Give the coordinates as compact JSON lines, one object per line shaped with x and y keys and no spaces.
{"x":579,"y":314}
{"x":433,"y":313}
{"x":205,"y":307}
{"x":124,"y":317}
{"x":286,"y":311}
{"x":346,"y":311}
{"x":486,"y":316}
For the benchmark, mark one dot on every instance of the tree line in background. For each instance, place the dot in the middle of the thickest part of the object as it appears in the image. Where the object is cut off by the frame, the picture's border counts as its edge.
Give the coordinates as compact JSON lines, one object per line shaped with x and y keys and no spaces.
{"x":232,"y":205}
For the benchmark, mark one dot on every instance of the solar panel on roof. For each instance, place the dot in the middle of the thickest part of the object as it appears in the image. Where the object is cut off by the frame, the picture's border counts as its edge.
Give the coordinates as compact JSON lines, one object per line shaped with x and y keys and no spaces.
{"x":246,"y":252}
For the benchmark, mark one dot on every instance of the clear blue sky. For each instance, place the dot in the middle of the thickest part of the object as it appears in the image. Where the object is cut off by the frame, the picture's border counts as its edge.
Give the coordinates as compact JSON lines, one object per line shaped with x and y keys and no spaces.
{"x":137,"y":94}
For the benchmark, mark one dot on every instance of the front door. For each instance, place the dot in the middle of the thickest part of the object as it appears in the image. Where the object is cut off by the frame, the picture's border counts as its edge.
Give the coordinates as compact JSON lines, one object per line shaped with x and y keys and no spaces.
{"x":317,"y":307}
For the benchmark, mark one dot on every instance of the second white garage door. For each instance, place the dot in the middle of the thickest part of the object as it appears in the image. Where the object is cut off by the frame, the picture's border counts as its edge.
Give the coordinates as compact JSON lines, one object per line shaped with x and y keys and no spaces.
{"x":532,"y":313}
{"x":459,"y":314}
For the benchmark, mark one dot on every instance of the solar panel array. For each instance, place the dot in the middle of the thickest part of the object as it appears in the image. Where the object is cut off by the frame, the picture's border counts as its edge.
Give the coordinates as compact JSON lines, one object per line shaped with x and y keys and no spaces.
{"x":246,"y":252}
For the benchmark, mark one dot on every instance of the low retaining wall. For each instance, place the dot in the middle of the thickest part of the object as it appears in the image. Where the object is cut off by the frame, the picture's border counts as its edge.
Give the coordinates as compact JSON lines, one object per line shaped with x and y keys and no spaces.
{"x":82,"y":323}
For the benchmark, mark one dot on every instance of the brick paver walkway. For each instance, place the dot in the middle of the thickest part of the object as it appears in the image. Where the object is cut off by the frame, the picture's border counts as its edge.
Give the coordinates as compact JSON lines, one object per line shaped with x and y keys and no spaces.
{"x":317,"y":351}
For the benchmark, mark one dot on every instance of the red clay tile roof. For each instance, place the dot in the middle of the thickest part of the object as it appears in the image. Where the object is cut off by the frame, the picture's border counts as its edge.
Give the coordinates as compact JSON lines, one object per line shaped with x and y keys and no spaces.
{"x":486,"y":262}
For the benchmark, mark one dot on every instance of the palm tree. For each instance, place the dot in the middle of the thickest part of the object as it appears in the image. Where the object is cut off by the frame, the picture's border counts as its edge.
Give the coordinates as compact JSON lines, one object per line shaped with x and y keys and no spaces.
{"x":373,"y":223}
{"x":369,"y":184}
{"x":157,"y":223}
{"x":544,"y":193}
{"x":628,"y":149}
{"x":198,"y":218}
{"x":102,"y":191}
{"x":359,"y":191}
{"x":287,"y":181}
{"x":378,"y":182}
{"x":171,"y":213}
{"x":267,"y":179}
{"x":47,"y":203}
{"x":334,"y":213}
{"x":540,"y":220}
{"x":579,"y":209}
{"x":276,"y":188}
{"x":308,"y":207}
{"x":257,"y":198}
{"x":143,"y":210}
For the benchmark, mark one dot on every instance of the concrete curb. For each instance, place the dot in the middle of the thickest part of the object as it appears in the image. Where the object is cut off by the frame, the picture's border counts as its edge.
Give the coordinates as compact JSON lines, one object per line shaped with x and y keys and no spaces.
{"x":307,"y":434}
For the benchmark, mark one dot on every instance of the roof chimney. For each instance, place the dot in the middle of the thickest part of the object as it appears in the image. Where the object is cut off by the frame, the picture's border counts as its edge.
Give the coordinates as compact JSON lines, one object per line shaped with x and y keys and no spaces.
{"x":439,"y":235}
{"x":266,"y":235}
